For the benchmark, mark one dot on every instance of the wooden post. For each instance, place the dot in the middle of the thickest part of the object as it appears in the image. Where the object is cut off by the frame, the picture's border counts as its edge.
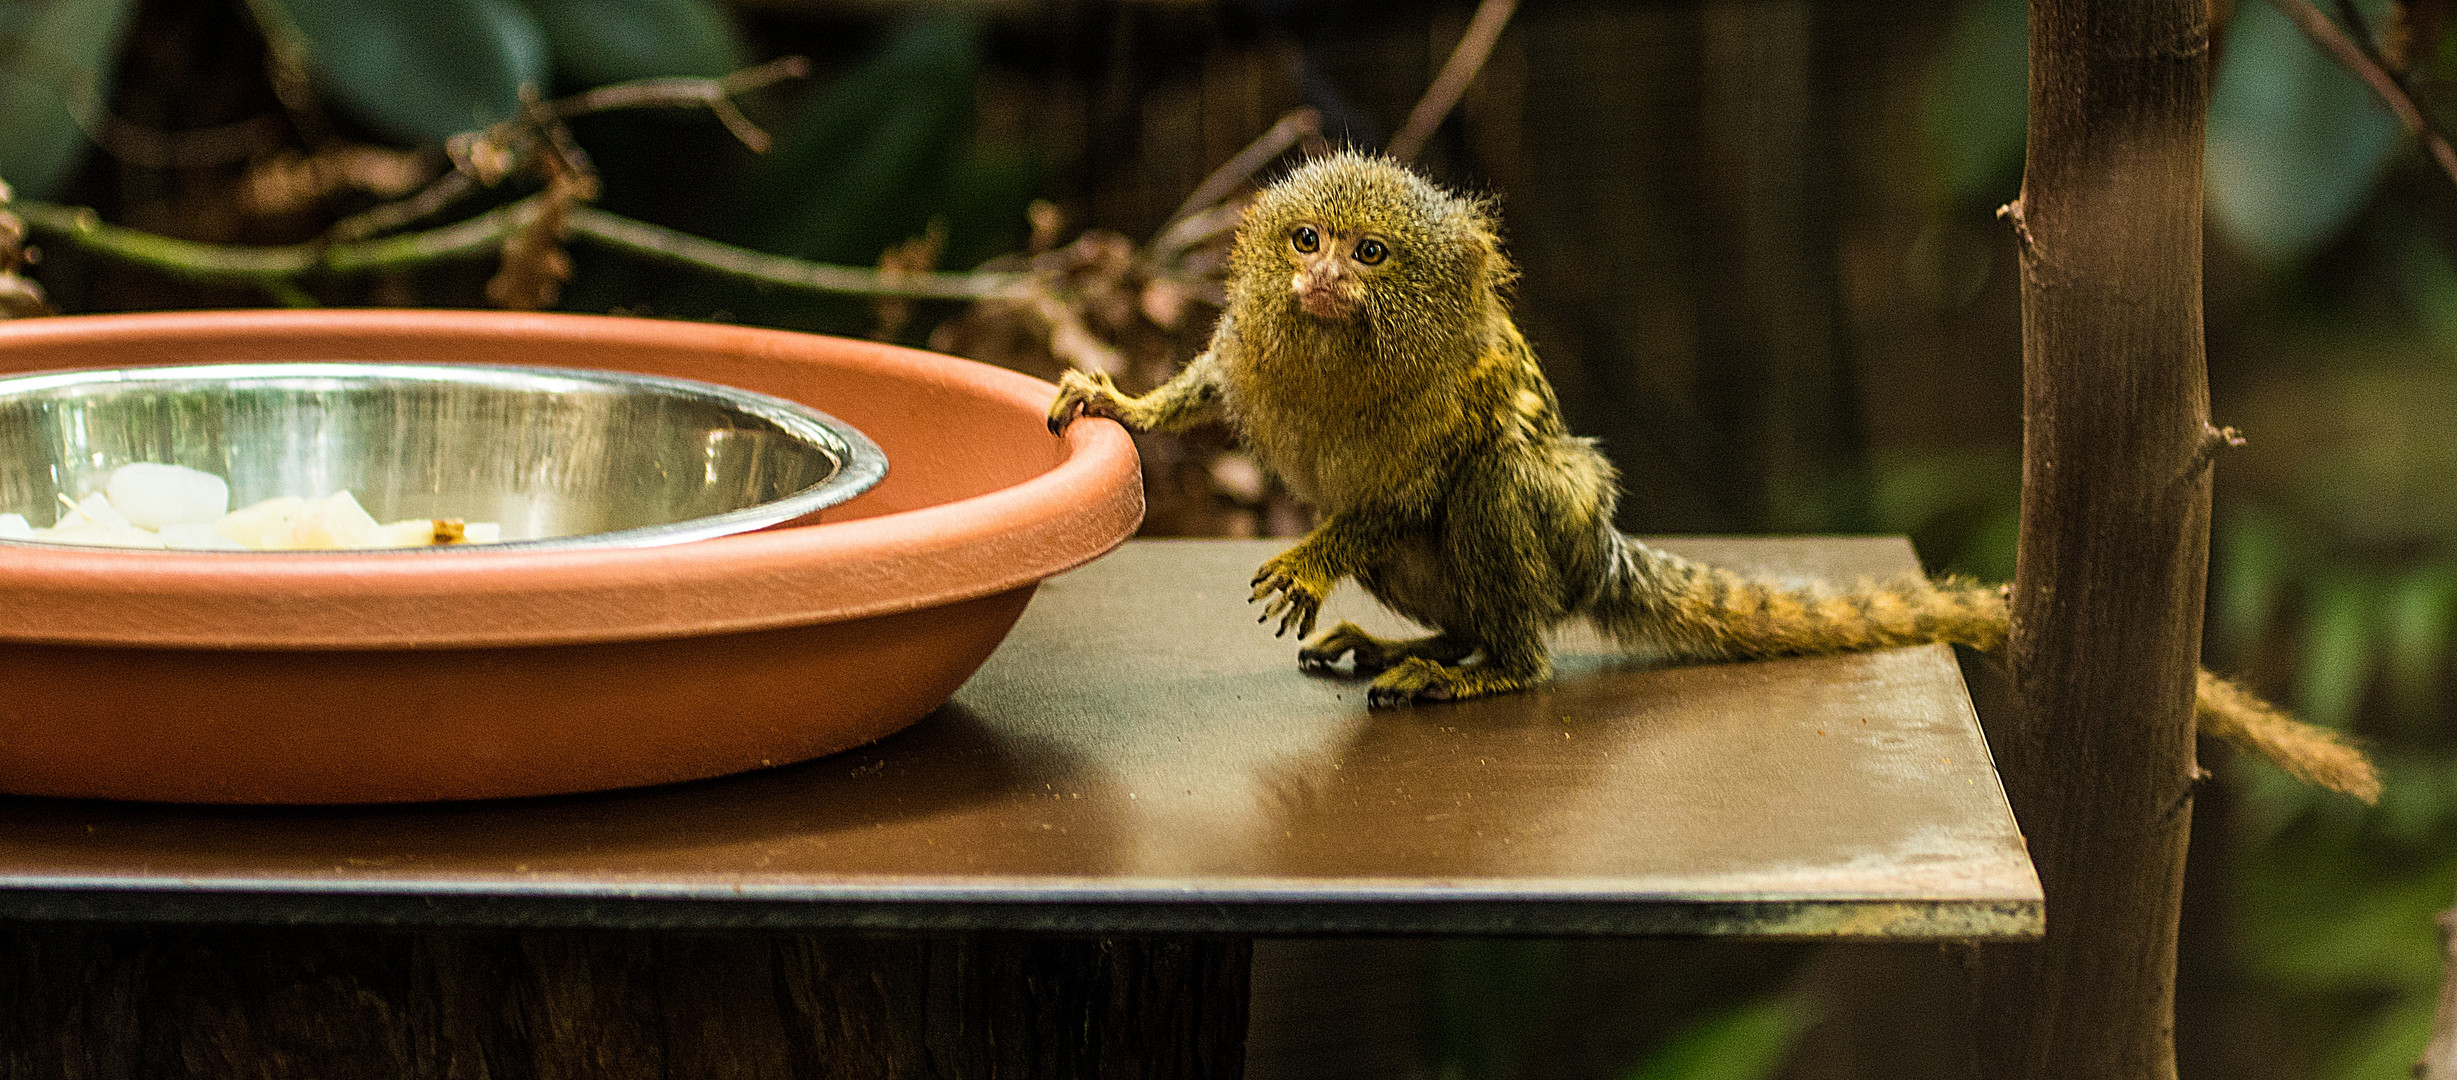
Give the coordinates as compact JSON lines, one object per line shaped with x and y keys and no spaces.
{"x":2115,"y":535}
{"x":608,"y":1005}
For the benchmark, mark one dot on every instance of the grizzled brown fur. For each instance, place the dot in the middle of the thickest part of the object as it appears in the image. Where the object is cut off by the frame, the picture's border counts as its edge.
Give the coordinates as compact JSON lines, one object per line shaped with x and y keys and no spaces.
{"x":1368,"y":358}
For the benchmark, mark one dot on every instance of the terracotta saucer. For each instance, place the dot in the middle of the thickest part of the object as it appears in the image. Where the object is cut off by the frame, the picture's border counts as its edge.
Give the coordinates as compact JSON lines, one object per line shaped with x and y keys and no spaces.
{"x":337,"y":677}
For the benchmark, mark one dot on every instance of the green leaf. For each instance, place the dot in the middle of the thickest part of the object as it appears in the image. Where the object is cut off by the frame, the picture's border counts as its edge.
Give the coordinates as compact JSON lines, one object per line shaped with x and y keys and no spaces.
{"x":595,"y":42}
{"x":2388,"y":1047}
{"x":1995,"y":544}
{"x":1961,"y":507}
{"x":2337,"y":652}
{"x":2317,"y":917}
{"x":1747,"y":1043}
{"x":984,"y":198}
{"x":55,"y":56}
{"x":2419,"y":616}
{"x":2295,"y":143}
{"x":2249,"y":574}
{"x":1979,"y":99}
{"x":2430,"y":285}
{"x":419,"y":70}
{"x":861,"y":168}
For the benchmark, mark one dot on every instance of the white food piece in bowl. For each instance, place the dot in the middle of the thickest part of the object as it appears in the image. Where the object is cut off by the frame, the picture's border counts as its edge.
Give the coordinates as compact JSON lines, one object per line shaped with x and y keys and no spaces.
{"x":248,"y":525}
{"x":179,"y":498}
{"x":95,"y":510}
{"x":152,"y":495}
{"x":416,"y":532}
{"x":98,"y":534}
{"x":197,"y":536}
{"x":334,"y":521}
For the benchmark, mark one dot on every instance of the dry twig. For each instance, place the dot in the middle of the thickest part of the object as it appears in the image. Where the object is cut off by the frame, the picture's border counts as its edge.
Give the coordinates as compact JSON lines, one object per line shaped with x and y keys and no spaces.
{"x":1448,"y":87}
{"x":482,"y":235}
{"x":20,"y":297}
{"x":1240,"y":167}
{"x":2366,"y":64}
{"x":530,"y":232}
{"x":715,"y":95}
{"x":483,"y":158}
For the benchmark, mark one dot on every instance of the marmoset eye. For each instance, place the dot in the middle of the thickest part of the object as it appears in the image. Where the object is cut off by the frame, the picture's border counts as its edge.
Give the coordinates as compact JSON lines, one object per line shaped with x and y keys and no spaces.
{"x":1371,"y":252}
{"x":1306,"y":239}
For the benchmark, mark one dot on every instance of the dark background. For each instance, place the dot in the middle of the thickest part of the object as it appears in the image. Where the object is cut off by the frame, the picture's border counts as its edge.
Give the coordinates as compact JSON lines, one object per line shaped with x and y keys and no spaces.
{"x":1760,"y":265}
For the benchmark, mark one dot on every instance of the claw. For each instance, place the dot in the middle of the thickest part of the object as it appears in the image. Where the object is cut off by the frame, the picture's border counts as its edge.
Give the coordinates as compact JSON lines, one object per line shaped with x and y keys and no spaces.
{"x":1076,"y":392}
{"x":1064,"y":410}
{"x":1321,"y":655}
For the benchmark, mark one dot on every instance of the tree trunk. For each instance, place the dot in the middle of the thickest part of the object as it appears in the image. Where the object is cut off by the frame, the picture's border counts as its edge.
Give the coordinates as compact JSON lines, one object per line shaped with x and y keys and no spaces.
{"x":607,"y":1005}
{"x":2115,"y":534}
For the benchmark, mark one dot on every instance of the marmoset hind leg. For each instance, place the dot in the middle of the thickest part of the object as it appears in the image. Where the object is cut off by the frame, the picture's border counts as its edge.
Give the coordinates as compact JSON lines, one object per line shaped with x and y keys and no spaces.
{"x":1499,"y":669}
{"x":1375,"y":655}
{"x":1521,"y":541}
{"x":1187,"y":399}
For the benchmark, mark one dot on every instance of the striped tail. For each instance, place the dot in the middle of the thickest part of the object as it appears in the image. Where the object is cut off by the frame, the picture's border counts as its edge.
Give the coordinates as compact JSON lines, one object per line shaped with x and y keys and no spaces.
{"x":2312,"y":754}
{"x":1689,"y":611}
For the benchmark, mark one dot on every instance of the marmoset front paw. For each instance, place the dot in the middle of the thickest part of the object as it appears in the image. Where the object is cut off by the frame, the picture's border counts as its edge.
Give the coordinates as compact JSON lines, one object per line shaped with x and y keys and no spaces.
{"x":1080,"y":392}
{"x":1300,"y":590}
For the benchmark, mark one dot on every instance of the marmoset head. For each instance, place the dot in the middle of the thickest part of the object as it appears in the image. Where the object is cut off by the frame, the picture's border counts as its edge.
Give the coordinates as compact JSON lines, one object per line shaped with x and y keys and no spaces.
{"x":1348,"y":236}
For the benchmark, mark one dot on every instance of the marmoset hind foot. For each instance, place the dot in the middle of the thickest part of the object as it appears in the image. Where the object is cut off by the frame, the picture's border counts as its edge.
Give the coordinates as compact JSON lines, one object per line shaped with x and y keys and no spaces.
{"x":1374,"y":655}
{"x":1367,"y":358}
{"x":1422,"y":679}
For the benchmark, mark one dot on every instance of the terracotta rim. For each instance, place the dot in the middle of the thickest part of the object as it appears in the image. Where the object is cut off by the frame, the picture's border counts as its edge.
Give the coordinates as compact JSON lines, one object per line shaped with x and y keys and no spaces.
{"x":1088,"y":504}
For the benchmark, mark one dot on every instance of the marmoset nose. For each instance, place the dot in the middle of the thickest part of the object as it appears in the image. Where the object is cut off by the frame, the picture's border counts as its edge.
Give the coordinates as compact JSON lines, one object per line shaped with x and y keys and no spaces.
{"x":1326,"y":292}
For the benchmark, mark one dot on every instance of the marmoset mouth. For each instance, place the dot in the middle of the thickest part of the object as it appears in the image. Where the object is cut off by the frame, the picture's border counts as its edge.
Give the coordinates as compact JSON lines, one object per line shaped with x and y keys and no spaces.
{"x":1327,"y":302}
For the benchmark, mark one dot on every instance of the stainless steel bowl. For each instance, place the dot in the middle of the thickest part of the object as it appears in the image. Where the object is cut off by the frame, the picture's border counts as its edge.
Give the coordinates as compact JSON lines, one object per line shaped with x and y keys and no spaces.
{"x":561,"y":458}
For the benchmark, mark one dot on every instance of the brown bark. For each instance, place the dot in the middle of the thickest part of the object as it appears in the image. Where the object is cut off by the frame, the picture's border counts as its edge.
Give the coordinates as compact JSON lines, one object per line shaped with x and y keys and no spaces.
{"x":605,"y":1005}
{"x":2115,"y":534}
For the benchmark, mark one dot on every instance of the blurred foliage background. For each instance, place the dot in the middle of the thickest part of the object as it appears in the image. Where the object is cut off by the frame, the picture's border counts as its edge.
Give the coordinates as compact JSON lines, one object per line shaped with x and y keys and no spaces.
{"x":1760,"y":263}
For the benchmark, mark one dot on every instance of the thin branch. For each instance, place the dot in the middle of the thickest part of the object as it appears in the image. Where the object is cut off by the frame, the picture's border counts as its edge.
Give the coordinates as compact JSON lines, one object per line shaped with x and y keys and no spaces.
{"x":1224,"y":180}
{"x":681,"y":92}
{"x":1186,"y":232}
{"x":447,"y":189}
{"x":657,"y":241}
{"x":85,"y":229}
{"x":287,"y":294}
{"x":715,"y":95}
{"x":1465,"y":61}
{"x":2386,"y":86}
{"x":483,"y":236}
{"x":203,"y":148}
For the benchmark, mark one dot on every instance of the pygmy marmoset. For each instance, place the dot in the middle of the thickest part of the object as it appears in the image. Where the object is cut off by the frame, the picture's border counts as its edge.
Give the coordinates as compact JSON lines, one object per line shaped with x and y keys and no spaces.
{"x":1368,"y":358}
